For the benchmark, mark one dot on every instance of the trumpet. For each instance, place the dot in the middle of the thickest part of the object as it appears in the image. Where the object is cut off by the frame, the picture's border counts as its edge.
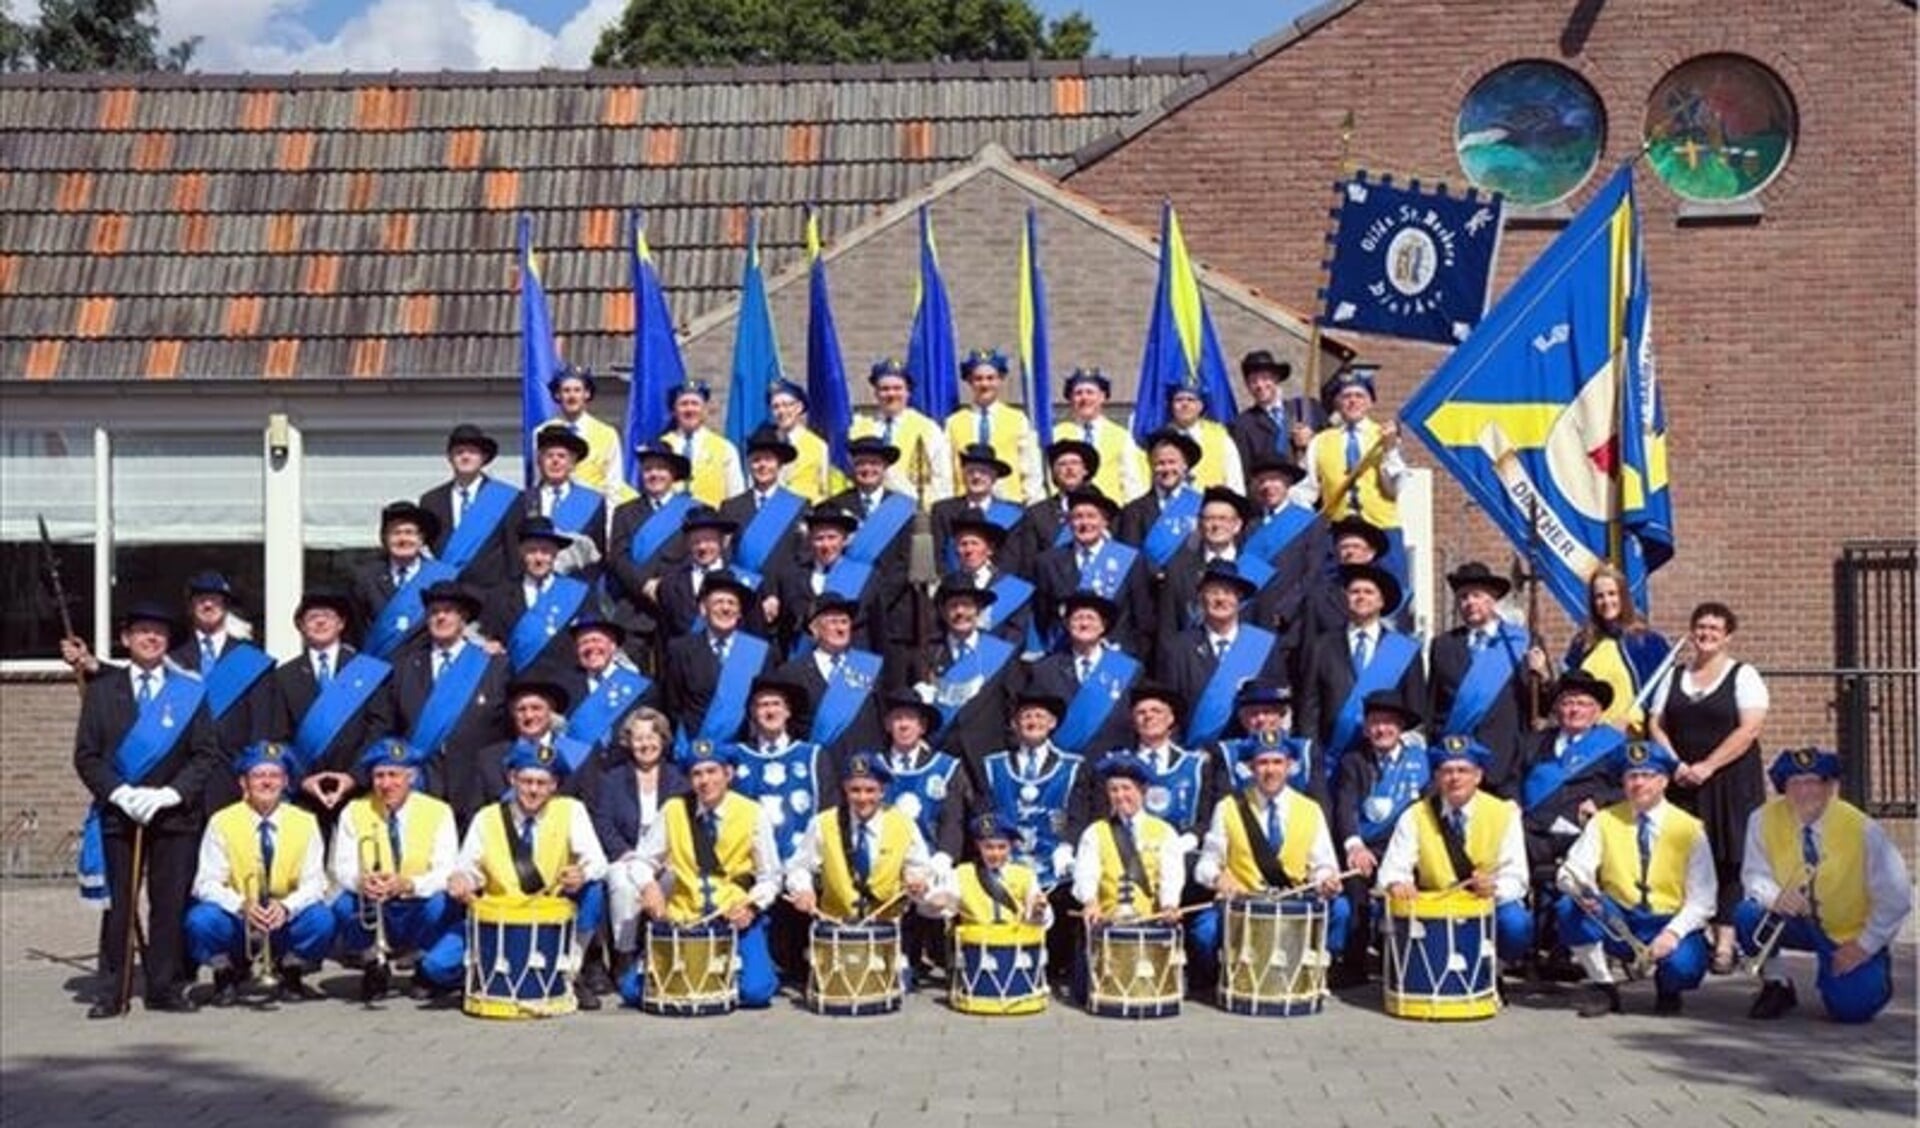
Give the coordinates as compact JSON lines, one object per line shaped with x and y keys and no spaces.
{"x":259,"y":940}
{"x":1767,"y":934}
{"x":373,"y":913}
{"x":1582,"y":891}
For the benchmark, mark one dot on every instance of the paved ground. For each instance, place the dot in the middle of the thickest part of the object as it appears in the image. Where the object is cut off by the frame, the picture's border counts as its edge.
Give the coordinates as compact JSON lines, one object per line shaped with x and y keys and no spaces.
{"x":336,"y":1063}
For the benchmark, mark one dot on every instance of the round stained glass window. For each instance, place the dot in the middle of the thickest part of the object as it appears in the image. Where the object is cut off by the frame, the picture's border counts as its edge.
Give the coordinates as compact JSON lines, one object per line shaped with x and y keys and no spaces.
{"x":1531,"y":130}
{"x":1719,"y":127}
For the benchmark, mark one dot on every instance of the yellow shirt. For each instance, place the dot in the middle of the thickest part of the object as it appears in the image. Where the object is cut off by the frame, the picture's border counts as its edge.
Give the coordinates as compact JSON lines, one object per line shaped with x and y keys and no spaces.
{"x":552,"y":846}
{"x":425,"y":815}
{"x":838,"y":897}
{"x":911,"y":432}
{"x":1123,"y":465}
{"x":716,"y":465}
{"x":812,"y":473}
{"x":1011,"y":436}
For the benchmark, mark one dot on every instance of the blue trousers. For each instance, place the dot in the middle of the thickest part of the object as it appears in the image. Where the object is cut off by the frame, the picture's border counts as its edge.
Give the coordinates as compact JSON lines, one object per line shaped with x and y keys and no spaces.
{"x":758,"y":979}
{"x":216,"y":936}
{"x":1512,"y":931}
{"x":446,"y":961}
{"x":420,"y":924}
{"x":1854,"y":997}
{"x":1683,"y":970}
{"x":1206,"y":932}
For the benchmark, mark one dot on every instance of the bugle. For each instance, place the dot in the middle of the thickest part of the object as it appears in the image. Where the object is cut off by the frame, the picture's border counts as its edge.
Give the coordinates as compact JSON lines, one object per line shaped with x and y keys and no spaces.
{"x":259,"y":940}
{"x":1772,"y":926}
{"x":373,"y":912}
{"x":1583,"y":891}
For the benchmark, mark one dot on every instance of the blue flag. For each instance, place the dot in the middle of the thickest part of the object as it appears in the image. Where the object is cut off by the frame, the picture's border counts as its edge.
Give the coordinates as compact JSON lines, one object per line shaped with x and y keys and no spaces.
{"x":830,"y":412}
{"x":1036,"y":365}
{"x":539,"y":360}
{"x":930,"y":351}
{"x":1410,"y":263}
{"x":756,"y":354}
{"x":1550,"y":413}
{"x":1182,"y":348}
{"x":657,"y":367}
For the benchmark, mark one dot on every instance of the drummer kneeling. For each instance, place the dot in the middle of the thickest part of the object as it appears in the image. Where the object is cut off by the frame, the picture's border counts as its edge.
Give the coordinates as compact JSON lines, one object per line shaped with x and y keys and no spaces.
{"x":871,"y":856}
{"x":1642,"y":866}
{"x":1130,"y":866}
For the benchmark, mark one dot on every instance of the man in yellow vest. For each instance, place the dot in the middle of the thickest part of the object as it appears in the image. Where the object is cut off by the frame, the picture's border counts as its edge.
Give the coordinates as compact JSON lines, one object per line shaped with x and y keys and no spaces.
{"x":908,"y":431}
{"x":715,"y":475}
{"x":991,"y":421}
{"x":395,"y":846}
{"x":711,"y":855}
{"x":811,"y":474}
{"x":1130,"y":866}
{"x":1462,"y":837}
{"x":870,"y":855}
{"x":1219,"y":461}
{"x":1835,"y":877}
{"x":1120,"y":470}
{"x":604,"y":466}
{"x":1334,"y":461}
{"x":533,"y":843}
{"x":260,"y":869}
{"x":1643,"y":866}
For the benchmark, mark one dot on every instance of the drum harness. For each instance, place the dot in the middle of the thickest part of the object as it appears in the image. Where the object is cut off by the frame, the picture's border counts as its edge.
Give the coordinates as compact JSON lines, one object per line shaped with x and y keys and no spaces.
{"x":1271,"y":872}
{"x":520,"y":846}
{"x":705,"y":855}
{"x":1132,"y":871}
{"x":1456,"y":842}
{"x":863,"y":895}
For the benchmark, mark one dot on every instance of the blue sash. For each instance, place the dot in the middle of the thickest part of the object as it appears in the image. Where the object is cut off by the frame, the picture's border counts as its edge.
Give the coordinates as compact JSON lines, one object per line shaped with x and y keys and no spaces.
{"x":1390,"y":659}
{"x":1584,"y":753}
{"x":548,"y":616}
{"x":1271,"y":539}
{"x":846,"y":692}
{"x":848,"y":577}
{"x":1011,"y":594}
{"x":1398,"y":787}
{"x":448,"y":699}
{"x":763,"y":534}
{"x":1241,"y":662}
{"x":592,"y":720}
{"x":338,"y":702}
{"x":574,"y":752}
{"x":483,"y":516}
{"x":1063,"y":534}
{"x":660,"y":525}
{"x":405,"y":611}
{"x":575,"y":509}
{"x":233,"y":675}
{"x":877,"y":532}
{"x":1096,"y":699}
{"x":153,"y":734}
{"x":1109,"y":569}
{"x":964,"y":680}
{"x":1170,"y":530}
{"x":1487,"y":677}
{"x":1001,"y":512}
{"x":728,"y":709}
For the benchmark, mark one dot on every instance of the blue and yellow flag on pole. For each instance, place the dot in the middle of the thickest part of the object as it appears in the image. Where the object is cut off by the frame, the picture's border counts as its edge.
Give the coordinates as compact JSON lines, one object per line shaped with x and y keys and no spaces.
{"x":1549,"y":414}
{"x":657,"y":367}
{"x":1182,"y":349}
{"x":539,"y":359}
{"x":930,"y":351}
{"x":756,"y":352}
{"x":1036,"y":365}
{"x":830,"y":412}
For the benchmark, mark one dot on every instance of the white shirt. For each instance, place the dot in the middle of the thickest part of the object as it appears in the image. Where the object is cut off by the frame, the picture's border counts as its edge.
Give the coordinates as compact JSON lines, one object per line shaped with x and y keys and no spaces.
{"x":531,"y":589}
{"x":650,"y":859}
{"x":346,"y":852}
{"x":1027,"y":761}
{"x":452,"y":655}
{"x":806,"y":853}
{"x":1213,"y":849}
{"x":1889,"y":891}
{"x":1403,"y":853}
{"x":212,"y":877}
{"x":1699,"y":901}
{"x":1168,"y":867}
{"x":473,"y":489}
{"x":1216,"y":643}
{"x":823,"y":662}
{"x":217,"y":641}
{"x":333,"y":661}
{"x":1749,"y":691}
{"x":551,"y":496}
{"x":1372,"y":634}
{"x":156,"y":679}
{"x":582,"y":843}
{"x":1228,"y":553}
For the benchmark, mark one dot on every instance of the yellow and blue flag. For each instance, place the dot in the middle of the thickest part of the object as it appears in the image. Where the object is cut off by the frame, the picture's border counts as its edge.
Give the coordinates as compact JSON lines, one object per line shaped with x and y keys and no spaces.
{"x":930,"y":351}
{"x":1036,"y":363}
{"x":756,"y":352}
{"x":539,"y":359}
{"x":1182,"y":349}
{"x":829,"y":412}
{"x":1550,"y":415}
{"x":657,"y":367}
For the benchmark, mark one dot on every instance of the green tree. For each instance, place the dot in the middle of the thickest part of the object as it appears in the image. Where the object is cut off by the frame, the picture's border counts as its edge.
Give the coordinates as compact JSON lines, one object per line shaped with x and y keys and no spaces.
{"x":714,"y":32}
{"x":13,"y":39}
{"x":103,"y":35}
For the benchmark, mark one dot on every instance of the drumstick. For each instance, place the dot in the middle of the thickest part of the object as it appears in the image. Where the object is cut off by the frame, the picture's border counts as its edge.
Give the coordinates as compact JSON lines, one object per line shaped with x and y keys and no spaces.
{"x":881,"y":908}
{"x":1312,"y":885}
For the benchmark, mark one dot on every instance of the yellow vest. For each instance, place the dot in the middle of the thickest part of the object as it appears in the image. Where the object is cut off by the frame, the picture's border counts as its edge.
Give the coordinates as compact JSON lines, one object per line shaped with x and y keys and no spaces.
{"x":838,"y":897}
{"x":552,"y":846}
{"x":713,"y":457}
{"x":1122,"y":463}
{"x":237,"y":827}
{"x":1328,"y":454}
{"x":1487,"y":818}
{"x":603,"y":468}
{"x":1840,"y":880}
{"x":1302,"y":821}
{"x":732,"y":847}
{"x":1216,"y":449}
{"x":977,"y":909}
{"x":1149,"y":833}
{"x":910,"y":430}
{"x":812,"y":473}
{"x":1666,"y":869}
{"x":424,"y":816}
{"x":1009,"y":430}
{"x":1608,"y":663}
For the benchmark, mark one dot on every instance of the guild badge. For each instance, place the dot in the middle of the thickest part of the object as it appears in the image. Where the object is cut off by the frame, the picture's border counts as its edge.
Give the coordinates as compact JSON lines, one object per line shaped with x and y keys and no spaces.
{"x":775,"y":774}
{"x":1376,"y":807}
{"x":1157,"y":799}
{"x":936,"y":789}
{"x":1029,"y":793}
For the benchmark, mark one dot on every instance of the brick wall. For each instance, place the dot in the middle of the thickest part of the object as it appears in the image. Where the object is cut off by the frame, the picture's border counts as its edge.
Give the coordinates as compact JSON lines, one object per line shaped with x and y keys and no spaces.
{"x":1786,"y":346}
{"x":37,"y":719}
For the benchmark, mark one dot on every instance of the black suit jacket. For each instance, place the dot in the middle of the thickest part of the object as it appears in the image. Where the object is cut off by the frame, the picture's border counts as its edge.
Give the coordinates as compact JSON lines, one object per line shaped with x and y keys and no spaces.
{"x":867,"y":731}
{"x":1179,"y":595}
{"x":1057,"y":574}
{"x":370,"y":589}
{"x":1504,"y":726}
{"x":1187,"y":663}
{"x":1137,"y":517}
{"x":740,"y":510}
{"x":106,"y":713}
{"x":690,"y":676}
{"x":295,"y":691}
{"x":679,"y":606}
{"x":890,"y":573}
{"x":980,"y":725}
{"x":942,"y":515}
{"x":1359,"y":771}
{"x":498,"y":555}
{"x":240,"y":727}
{"x":1037,"y":530}
{"x":595,"y":528}
{"x":1327,"y":678}
{"x":627,"y":580}
{"x":482,"y":724}
{"x":1599,"y":785}
{"x":792,"y":585}
{"x":1056,"y":676}
{"x":502,"y":607}
{"x":1254,"y":432}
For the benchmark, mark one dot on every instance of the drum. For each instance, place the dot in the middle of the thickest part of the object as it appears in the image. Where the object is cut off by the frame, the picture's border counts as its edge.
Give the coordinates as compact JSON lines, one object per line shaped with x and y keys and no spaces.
{"x":1135,"y":971}
{"x":692,"y":969}
{"x":520,"y":957}
{"x":998,"y":969}
{"x":854,"y":969}
{"x":1440,"y":961}
{"x":1273,"y":961}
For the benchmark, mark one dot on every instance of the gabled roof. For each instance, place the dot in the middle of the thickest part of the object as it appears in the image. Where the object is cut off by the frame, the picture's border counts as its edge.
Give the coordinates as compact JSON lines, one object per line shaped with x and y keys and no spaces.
{"x":243,"y":226}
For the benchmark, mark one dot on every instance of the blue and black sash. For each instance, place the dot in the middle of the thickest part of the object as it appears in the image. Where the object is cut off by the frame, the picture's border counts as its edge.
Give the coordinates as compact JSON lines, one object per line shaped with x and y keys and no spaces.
{"x":1242,"y":662}
{"x":339,"y":700}
{"x":483,"y":516}
{"x":963,"y":681}
{"x":1001,"y":512}
{"x":1178,"y":517}
{"x":769,"y":526}
{"x":237,"y":671}
{"x":1107,"y":685}
{"x":658,"y":528}
{"x":448,"y":698}
{"x":1108,"y":571}
{"x":405,"y":610}
{"x":1492,"y":667}
{"x":1390,"y":660}
{"x":727,"y":711}
{"x":548,"y":616}
{"x":1272,"y":538}
{"x":1011,"y":595}
{"x":849,"y":577}
{"x":847,"y":690}
{"x":1398,"y":787}
{"x":159,"y":726}
{"x":878,"y":530}
{"x":575,"y":509}
{"x":1583,"y":754}
{"x":592,"y":720}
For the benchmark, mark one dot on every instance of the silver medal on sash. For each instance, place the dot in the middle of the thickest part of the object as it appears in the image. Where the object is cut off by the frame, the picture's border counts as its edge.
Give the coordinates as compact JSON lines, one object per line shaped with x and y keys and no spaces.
{"x":1376,"y":807}
{"x":1029,"y":793}
{"x":1157,"y":799}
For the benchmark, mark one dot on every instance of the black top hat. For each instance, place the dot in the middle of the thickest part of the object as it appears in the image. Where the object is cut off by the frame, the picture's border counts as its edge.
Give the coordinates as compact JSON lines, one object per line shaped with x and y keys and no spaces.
{"x":982,"y":454}
{"x":556,"y":695}
{"x":656,"y":451}
{"x":1260,"y":360}
{"x":1228,"y":573}
{"x":1089,"y":495}
{"x":980,"y":527}
{"x":406,"y":512}
{"x":1226,"y":496}
{"x":327,"y":598}
{"x":766,"y":437}
{"x":1389,"y":700}
{"x":794,"y":693}
{"x":149,"y":611}
{"x":560,"y":435}
{"x":535,"y":527}
{"x":724,"y":580}
{"x":1580,"y":681}
{"x":1157,"y":691}
{"x":1474,"y":574}
{"x":906,"y":699}
{"x":1089,"y":454}
{"x":1091,"y":601}
{"x":872,"y":446}
{"x":707,"y":517}
{"x":466,"y":434}
{"x":961,"y":587}
{"x":1386,"y":581}
{"x":459,"y":594}
{"x":834,"y":516}
{"x":1167,"y":436}
{"x":1270,"y":462}
{"x":1352,"y":526}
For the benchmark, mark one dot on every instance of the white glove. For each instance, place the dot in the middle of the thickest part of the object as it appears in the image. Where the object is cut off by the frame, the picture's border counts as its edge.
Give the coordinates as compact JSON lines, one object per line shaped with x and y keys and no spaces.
{"x":140,"y":805}
{"x":1063,"y":860}
{"x":941,"y":865}
{"x":125,"y":797}
{"x":1187,"y":843}
{"x":164,"y":797}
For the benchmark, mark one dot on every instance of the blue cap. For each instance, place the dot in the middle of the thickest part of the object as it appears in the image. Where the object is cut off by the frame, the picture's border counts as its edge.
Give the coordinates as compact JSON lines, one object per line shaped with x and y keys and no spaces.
{"x":984,"y":358}
{"x":888,"y":366}
{"x":1269,"y":744}
{"x":392,"y":752}
{"x":706,"y":752}
{"x":1812,"y":761}
{"x":209,"y":583}
{"x":1353,"y":376}
{"x":265,"y":753}
{"x":1122,"y":765}
{"x":789,"y":388}
{"x":1088,"y":376}
{"x":584,"y":375}
{"x":530,"y":755}
{"x":991,"y":825}
{"x":1457,"y":747}
{"x":690,"y":388}
{"x":1645,"y":756}
{"x":867,"y":765}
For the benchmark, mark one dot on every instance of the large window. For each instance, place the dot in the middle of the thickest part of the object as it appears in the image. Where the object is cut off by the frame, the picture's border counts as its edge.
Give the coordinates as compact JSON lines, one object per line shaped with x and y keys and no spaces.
{"x":1531,"y":130}
{"x":1719,"y":127}
{"x":44,"y":474}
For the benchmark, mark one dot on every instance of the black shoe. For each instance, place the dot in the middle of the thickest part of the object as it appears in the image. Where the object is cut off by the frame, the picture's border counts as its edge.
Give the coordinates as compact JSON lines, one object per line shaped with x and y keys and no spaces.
{"x":588,"y":998}
{"x":1343,"y":977}
{"x":1775,"y":999}
{"x":1667,"y":1003}
{"x":419,"y":990}
{"x":294,"y":987}
{"x":172,"y":1000}
{"x":106,"y":1006}
{"x":595,"y":978}
{"x":1557,"y":968}
{"x":226,"y":988}
{"x":375,"y":980}
{"x":1601,"y":999}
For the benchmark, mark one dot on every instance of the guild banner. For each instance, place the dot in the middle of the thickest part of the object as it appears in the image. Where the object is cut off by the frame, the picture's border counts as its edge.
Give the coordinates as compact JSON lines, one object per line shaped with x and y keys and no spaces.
{"x":1409,"y":262}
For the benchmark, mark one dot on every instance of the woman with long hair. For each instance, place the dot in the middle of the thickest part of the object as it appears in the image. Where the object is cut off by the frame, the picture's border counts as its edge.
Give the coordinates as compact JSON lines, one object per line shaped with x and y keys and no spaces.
{"x":1618,"y":646}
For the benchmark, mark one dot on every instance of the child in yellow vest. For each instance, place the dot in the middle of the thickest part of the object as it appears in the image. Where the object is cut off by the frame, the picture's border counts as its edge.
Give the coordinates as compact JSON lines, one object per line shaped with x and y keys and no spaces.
{"x":715,"y":472}
{"x":1000,"y":916}
{"x":1837,"y":880}
{"x":1642,"y":866}
{"x":812,"y":473}
{"x":260,"y":869}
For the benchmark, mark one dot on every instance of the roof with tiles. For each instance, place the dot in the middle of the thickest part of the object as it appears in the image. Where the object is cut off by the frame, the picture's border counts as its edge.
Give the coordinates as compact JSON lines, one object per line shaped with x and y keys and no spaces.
{"x":271,"y":227}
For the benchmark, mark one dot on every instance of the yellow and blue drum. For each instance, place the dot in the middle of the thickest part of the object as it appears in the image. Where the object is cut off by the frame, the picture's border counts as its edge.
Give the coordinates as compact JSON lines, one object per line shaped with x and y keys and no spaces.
{"x":1273,"y":962}
{"x":854,"y":969}
{"x":998,"y":969}
{"x":520,"y":957}
{"x":692,"y":969}
{"x":1135,"y":970}
{"x":1440,"y":958}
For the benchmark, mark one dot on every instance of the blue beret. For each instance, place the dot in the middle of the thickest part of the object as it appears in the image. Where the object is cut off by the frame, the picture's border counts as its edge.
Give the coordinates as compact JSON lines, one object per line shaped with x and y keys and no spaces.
{"x":888,"y":366}
{"x":789,"y":388}
{"x":392,"y":752}
{"x":690,"y":388}
{"x":1122,"y":765}
{"x":992,"y":825}
{"x":1645,"y":756}
{"x":866,"y":765}
{"x":984,"y":358}
{"x":1353,"y":376}
{"x":526,"y":754}
{"x":266,"y":753}
{"x":1457,"y":747}
{"x":1088,"y":376}
{"x":706,"y":752}
{"x":1270,"y":744}
{"x":584,"y":375}
{"x":1803,"y":761}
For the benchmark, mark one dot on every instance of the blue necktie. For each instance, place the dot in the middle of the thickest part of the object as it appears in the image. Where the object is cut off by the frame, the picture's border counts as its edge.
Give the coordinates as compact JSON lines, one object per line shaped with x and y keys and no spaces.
{"x":266,"y":859}
{"x":443,"y":659}
{"x":986,"y":427}
{"x":1353,"y":461}
{"x":862,"y":853}
{"x":1810,"y":853}
{"x":465,"y":494}
{"x":687,"y":453}
{"x":720,"y":650}
{"x":1087,"y":429}
{"x":1273,"y":825}
{"x":833,"y":666}
{"x":886,"y":431}
{"x":1362,"y":653}
{"x":708,"y":822}
{"x":207,"y":655}
{"x":1646,"y":857}
{"x":144,"y":695}
{"x":323,"y":669}
{"x":393,"y":837}
{"x":1083,"y":665}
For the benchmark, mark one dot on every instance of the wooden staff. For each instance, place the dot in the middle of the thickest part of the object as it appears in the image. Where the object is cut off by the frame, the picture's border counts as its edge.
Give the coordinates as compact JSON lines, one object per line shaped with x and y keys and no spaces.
{"x":124,"y":999}
{"x":51,"y":561}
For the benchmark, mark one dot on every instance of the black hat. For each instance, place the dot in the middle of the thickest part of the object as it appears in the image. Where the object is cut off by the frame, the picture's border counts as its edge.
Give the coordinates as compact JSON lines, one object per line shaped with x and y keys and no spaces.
{"x":980,"y":527}
{"x":1037,"y":700}
{"x":1167,"y":436}
{"x":1389,"y":700}
{"x":832,"y":601}
{"x":594,"y":621}
{"x":1260,"y":360}
{"x":406,"y":512}
{"x":332,"y":599}
{"x":1089,"y":454}
{"x":535,"y":527}
{"x":1386,"y":581}
{"x":466,"y":434}
{"x":1351,"y":526}
{"x":707,"y":517}
{"x":1157,"y":691}
{"x":725,"y":580}
{"x":677,"y":463}
{"x":1092,"y":601}
{"x":556,"y":695}
{"x":1226,"y":496}
{"x":982,"y":454}
{"x":1263,"y":691}
{"x":1474,"y":574}
{"x":766,"y":437}
{"x":906,"y":699}
{"x":148,"y":611}
{"x":1089,"y":495}
{"x":1270,"y":462}
{"x":584,"y":375}
{"x":792,"y":692}
{"x":451,"y":591}
{"x":560,"y":435}
{"x":1580,"y":681}
{"x":961,"y":587}
{"x":837,"y":516}
{"x":872,"y":446}
{"x":1227,"y":573}
{"x":210,"y":583}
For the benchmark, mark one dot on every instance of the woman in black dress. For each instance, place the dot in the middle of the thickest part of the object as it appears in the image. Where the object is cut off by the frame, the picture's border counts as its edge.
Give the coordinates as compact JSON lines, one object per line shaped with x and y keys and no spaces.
{"x":1710,"y":712}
